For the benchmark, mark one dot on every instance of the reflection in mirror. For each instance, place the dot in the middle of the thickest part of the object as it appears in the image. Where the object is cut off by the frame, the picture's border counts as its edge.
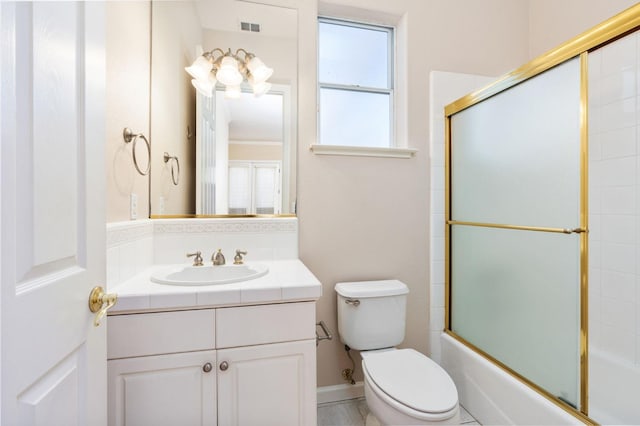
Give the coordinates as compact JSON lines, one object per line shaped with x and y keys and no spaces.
{"x":236,"y":156}
{"x":242,"y":152}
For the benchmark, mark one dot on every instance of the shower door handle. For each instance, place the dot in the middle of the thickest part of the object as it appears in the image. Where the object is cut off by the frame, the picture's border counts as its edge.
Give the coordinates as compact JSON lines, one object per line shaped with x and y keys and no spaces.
{"x":519,"y":227}
{"x":577,"y":231}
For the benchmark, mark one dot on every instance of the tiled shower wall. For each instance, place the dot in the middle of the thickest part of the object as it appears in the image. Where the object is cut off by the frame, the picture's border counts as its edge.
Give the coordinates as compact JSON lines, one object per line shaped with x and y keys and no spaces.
{"x":445,"y":87}
{"x":614,"y":201}
{"x":614,"y":232}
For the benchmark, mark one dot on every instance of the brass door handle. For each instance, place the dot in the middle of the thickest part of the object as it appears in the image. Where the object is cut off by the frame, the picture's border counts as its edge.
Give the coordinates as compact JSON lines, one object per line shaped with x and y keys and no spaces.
{"x":100,"y":302}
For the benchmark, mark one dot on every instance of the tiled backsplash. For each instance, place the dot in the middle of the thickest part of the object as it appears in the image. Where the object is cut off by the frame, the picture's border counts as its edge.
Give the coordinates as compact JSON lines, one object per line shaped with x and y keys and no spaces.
{"x":134,"y":246}
{"x":129,"y":250}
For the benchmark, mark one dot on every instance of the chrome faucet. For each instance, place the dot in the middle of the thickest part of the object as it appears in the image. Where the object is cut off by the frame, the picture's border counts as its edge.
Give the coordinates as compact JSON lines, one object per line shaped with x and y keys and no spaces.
{"x":218,"y":258}
{"x":197,"y":260}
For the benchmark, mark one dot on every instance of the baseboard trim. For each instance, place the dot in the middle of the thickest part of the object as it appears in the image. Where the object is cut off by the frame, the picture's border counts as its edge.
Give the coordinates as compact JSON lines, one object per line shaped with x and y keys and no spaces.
{"x":337,"y":393}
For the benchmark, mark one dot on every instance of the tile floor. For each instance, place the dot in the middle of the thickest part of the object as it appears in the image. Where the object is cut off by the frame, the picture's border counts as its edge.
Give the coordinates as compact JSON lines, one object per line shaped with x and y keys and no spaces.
{"x":353,"y":412}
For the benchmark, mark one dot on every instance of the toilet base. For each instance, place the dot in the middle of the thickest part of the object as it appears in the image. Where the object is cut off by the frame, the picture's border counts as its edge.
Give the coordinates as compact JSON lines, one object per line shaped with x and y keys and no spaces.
{"x":372,"y":420}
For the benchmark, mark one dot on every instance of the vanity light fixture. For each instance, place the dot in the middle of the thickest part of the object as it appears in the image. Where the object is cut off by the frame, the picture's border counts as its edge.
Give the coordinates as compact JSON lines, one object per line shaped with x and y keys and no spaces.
{"x":231,"y":70}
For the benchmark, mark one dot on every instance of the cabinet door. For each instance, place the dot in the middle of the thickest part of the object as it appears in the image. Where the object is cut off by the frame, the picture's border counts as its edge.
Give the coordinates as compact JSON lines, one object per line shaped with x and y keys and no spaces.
{"x":268,"y":385}
{"x":163,"y":390}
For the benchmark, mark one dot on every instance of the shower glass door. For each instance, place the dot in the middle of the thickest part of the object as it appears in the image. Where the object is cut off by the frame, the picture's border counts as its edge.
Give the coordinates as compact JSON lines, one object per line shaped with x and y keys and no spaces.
{"x":514,"y":228}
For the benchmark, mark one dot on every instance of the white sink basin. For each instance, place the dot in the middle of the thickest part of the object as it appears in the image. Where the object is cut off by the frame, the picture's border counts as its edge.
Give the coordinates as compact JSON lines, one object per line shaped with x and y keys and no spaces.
{"x":208,"y":275}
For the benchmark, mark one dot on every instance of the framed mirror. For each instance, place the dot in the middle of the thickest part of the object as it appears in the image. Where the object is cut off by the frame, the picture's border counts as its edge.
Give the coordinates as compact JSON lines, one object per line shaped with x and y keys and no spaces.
{"x":242,"y":153}
{"x":218,"y":156}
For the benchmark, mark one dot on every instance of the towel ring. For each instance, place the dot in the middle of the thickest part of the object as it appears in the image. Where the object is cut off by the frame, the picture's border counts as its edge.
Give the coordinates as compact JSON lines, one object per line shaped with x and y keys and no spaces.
{"x":175,"y":177}
{"x":129,"y":136}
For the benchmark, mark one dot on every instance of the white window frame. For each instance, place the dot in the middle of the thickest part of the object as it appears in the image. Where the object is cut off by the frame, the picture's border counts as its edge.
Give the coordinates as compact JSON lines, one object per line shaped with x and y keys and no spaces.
{"x":393,"y":150}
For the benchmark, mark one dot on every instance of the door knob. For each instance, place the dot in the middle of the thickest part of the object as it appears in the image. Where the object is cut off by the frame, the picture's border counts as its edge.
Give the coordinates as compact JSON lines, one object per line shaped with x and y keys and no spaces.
{"x":100,"y":302}
{"x":224,"y":365}
{"x":207,"y":367}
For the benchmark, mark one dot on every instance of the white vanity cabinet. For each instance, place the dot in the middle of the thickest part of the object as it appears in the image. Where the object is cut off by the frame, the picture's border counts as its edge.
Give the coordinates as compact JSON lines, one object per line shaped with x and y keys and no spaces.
{"x":157,"y":368}
{"x":243,"y":365}
{"x":261,"y":382}
{"x":267,"y":385}
{"x":159,"y":390}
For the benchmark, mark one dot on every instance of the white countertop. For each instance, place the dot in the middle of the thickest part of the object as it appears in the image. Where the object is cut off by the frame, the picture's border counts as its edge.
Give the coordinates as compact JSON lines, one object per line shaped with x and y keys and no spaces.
{"x":286,"y":281}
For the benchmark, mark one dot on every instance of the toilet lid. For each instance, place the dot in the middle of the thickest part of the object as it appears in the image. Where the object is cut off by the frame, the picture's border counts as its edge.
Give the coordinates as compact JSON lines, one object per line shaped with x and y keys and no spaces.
{"x":413,"y":380}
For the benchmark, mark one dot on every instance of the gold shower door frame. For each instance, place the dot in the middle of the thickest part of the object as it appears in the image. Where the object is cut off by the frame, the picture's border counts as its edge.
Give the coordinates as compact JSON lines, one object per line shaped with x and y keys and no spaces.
{"x":626,"y":22}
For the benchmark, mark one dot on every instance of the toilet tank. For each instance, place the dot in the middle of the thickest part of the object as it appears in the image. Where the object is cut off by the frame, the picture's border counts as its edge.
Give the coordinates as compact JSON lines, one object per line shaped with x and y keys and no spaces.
{"x":372,"y":314}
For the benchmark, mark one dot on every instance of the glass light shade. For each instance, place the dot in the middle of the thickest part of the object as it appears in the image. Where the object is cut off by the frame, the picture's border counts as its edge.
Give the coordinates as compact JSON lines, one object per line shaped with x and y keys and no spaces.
{"x":205,"y":87}
{"x":200,"y":69}
{"x":260,"y":89}
{"x":232,"y":92}
{"x":228,"y":73}
{"x":259,"y":71}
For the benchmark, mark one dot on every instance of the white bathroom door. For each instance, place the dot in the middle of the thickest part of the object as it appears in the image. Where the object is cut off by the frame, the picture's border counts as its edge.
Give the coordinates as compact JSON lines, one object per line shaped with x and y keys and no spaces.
{"x":52,"y":70}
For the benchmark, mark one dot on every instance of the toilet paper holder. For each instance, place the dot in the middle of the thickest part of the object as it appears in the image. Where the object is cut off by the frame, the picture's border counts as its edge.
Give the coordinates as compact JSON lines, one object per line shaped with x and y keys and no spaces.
{"x":327,"y":334}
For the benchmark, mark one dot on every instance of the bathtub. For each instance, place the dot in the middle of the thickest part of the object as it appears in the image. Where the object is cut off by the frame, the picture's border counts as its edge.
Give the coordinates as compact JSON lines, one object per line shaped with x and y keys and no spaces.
{"x":493,"y":396}
{"x":614,"y":386}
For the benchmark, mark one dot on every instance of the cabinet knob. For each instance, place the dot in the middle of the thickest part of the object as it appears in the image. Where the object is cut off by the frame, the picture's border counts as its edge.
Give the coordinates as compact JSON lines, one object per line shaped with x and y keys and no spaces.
{"x":207,"y":367}
{"x":224,"y":365}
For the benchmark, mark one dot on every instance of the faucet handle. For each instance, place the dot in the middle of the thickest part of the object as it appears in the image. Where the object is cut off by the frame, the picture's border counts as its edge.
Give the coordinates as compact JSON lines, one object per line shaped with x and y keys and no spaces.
{"x":237,"y":259}
{"x":218,"y":258}
{"x":197,"y":261}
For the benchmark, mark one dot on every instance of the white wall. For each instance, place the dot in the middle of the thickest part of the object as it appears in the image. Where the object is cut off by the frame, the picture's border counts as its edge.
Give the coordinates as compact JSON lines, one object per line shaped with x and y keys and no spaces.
{"x":368,"y":218}
{"x":175,"y":34}
{"x":127,"y":104}
{"x":552,"y":22}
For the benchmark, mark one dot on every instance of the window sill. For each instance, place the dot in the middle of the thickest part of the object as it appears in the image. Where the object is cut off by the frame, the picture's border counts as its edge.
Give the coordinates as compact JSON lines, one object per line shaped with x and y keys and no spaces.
{"x":362,"y":151}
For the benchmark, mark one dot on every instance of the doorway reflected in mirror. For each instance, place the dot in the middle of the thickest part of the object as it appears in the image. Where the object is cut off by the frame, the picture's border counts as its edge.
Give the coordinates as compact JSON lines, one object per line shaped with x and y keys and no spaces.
{"x":242,"y":146}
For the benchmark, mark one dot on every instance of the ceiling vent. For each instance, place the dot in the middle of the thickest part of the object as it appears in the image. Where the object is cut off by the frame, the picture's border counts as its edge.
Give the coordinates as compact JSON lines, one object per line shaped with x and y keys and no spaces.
{"x":248,"y":26}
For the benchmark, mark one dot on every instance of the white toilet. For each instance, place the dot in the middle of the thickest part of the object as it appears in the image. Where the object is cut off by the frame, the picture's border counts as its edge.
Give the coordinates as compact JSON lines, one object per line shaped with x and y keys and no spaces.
{"x":402,"y":386}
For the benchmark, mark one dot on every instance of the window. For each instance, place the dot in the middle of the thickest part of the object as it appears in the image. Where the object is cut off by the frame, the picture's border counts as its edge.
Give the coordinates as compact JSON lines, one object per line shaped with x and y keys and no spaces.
{"x":355,"y":84}
{"x":254,"y":187}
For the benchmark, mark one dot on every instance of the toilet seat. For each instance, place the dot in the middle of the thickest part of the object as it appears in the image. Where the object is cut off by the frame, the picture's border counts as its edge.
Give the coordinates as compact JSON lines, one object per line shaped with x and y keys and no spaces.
{"x":412,"y":383}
